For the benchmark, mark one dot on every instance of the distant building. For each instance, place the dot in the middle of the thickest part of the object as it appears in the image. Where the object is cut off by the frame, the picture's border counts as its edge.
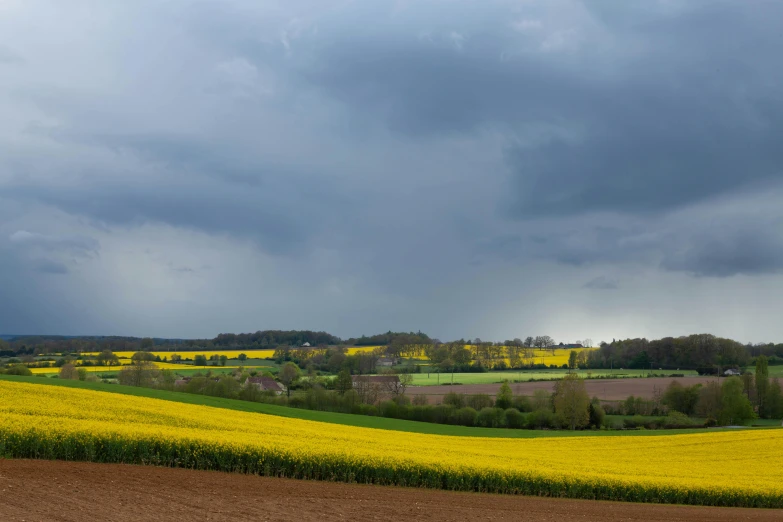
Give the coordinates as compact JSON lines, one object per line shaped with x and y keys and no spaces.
{"x":265,"y":384}
{"x":385,"y":362}
{"x":182,"y":382}
{"x":732,"y":371}
{"x":306,"y":345}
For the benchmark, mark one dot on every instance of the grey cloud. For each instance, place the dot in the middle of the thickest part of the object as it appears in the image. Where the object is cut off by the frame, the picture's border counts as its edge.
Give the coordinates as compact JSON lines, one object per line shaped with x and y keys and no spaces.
{"x":8,"y":56}
{"x":48,"y":266}
{"x":79,"y":245}
{"x":727,"y":253}
{"x":278,"y":225}
{"x":375,"y":165}
{"x":602,"y":283}
{"x":673,"y":123}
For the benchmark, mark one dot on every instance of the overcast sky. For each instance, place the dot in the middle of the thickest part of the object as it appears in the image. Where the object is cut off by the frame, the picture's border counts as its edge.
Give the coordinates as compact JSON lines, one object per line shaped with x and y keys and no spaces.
{"x":490,"y":169}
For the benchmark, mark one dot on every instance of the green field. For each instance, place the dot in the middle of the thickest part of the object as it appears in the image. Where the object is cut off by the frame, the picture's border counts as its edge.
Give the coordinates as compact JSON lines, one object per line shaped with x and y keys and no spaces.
{"x":334,"y":418}
{"x":433,"y":379}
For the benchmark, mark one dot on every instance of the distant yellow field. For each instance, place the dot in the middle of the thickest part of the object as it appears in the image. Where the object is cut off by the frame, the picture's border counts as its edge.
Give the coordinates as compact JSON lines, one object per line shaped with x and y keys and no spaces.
{"x":161,"y":365}
{"x":558,"y":358}
{"x":231,"y":354}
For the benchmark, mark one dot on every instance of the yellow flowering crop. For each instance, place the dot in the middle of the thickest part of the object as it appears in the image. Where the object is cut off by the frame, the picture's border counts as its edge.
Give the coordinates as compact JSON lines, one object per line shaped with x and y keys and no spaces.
{"x":160,"y":365}
{"x":231,"y":354}
{"x":736,"y":468}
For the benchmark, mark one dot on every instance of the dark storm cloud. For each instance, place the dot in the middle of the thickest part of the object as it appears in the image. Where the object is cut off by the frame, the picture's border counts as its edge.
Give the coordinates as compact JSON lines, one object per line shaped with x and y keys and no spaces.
{"x":685,"y":117}
{"x":397,"y":159}
{"x":726,"y":252}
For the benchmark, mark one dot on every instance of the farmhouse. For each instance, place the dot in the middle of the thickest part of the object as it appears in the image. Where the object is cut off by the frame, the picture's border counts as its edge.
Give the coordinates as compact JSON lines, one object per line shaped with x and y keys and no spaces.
{"x":385,"y":362}
{"x":265,"y":384}
{"x":182,"y":382}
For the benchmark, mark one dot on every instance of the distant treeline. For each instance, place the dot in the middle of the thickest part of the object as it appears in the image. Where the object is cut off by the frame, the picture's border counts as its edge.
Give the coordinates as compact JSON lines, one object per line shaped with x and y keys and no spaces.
{"x":702,"y":352}
{"x":265,"y":339}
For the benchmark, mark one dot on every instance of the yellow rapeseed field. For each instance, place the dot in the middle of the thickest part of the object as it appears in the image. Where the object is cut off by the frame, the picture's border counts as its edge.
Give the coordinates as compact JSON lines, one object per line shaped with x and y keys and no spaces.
{"x":719,"y":468}
{"x":114,"y":369}
{"x":231,"y":354}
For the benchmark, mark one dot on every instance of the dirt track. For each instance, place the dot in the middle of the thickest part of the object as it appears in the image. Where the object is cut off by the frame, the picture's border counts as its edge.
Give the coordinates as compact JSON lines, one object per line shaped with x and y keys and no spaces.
{"x":604,"y":389}
{"x":69,"y":491}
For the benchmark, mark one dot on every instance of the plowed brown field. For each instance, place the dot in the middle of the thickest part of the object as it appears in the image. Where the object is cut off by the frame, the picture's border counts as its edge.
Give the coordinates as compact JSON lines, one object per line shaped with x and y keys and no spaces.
{"x":604,"y":389}
{"x":75,"y":491}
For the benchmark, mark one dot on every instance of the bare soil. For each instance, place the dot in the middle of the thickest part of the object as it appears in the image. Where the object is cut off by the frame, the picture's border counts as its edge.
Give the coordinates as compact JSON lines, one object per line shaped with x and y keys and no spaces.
{"x":604,"y":389}
{"x":74,"y":491}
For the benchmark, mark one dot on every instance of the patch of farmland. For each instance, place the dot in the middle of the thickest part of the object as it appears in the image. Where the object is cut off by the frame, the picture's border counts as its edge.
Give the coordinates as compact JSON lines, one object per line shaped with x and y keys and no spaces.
{"x":604,"y":389}
{"x":179,"y":494}
{"x":108,"y":427}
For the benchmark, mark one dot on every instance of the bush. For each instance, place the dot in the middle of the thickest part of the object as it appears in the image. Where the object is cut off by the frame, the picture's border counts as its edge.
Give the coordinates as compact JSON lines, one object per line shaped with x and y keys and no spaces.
{"x":514,"y":419}
{"x":675,"y":419}
{"x":420,"y":400}
{"x":522,"y":403}
{"x":491,"y":417}
{"x":637,"y":421}
{"x":541,"y":419}
{"x":466,"y":416}
{"x":455,"y":399}
{"x":443,"y":414}
{"x":597,"y":414}
{"x":18,"y":369}
{"x":479,"y":401}
{"x":68,"y":371}
{"x":389,"y":409}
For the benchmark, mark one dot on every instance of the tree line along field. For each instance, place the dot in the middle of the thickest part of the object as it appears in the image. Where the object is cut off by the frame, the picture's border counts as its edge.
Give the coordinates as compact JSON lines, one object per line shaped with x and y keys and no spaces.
{"x":364,"y":421}
{"x":493,"y":377}
{"x":231,"y":354}
{"x":113,"y":427}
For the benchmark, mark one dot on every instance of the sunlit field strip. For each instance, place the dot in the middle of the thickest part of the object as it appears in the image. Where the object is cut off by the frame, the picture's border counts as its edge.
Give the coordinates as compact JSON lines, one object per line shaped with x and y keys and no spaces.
{"x":231,"y":354}
{"x":114,"y":369}
{"x":727,"y":468}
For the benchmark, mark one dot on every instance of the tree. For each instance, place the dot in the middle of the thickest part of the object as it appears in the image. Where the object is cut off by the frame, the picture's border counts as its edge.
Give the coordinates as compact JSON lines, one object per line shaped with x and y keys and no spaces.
{"x":18,"y":369}
{"x":587,"y":343}
{"x":571,"y":401}
{"x":572,"y":360}
{"x":406,"y":379}
{"x":288,"y":374}
{"x":775,"y":400}
{"x":542,"y":400}
{"x":710,"y":401}
{"x":147,"y":344}
{"x":107,"y":358}
{"x":597,"y":414}
{"x":142,"y":356}
{"x":69,"y":372}
{"x":242,"y":357}
{"x":735,"y":406}
{"x":200,"y":360}
{"x":762,"y":384}
{"x":529,"y":342}
{"x":505,"y":397}
{"x":223,"y":360}
{"x":681,"y":398}
{"x":138,"y":373}
{"x":343,"y":382}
